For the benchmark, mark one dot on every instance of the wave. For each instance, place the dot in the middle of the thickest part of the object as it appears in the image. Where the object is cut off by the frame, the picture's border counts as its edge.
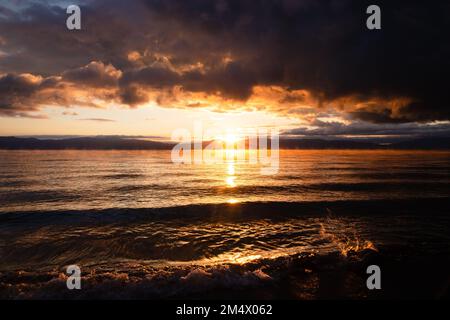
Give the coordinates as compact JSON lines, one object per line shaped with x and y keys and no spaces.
{"x":300,"y":276}
{"x":14,"y":184}
{"x":139,"y":187}
{"x":361,"y":187}
{"x":265,"y":278}
{"x":234,"y":211}
{"x":394,"y":186}
{"x":121,"y":176}
{"x":19,"y":196}
{"x":252,"y":250}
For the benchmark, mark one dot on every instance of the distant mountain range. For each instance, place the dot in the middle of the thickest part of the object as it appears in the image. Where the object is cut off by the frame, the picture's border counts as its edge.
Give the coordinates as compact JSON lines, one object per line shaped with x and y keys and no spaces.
{"x":118,"y":143}
{"x":83,"y":143}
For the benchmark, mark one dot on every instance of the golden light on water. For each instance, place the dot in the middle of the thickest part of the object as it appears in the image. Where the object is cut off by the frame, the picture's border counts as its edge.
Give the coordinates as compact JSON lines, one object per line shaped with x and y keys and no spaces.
{"x":231,"y":170}
{"x":230,"y":181}
{"x":234,"y":257}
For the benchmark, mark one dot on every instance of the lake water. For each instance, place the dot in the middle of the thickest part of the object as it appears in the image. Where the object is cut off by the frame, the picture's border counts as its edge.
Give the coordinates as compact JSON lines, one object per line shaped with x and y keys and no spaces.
{"x":80,"y":180}
{"x":140,"y":226}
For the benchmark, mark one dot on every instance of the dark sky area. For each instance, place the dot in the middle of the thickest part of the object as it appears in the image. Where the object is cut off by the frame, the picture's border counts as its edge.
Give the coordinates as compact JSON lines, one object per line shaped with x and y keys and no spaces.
{"x":318,"y":56}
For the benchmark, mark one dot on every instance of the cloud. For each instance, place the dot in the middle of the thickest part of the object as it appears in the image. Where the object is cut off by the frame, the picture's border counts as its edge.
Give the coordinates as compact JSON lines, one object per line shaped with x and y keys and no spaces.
{"x":98,"y":120}
{"x":297,"y":58}
{"x":361,"y":128}
{"x":16,"y":91}
{"x":94,"y":85}
{"x":95,"y":74}
{"x":69,"y":113}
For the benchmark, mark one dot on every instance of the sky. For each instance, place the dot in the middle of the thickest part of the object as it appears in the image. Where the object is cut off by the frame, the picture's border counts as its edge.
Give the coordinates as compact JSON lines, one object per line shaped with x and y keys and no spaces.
{"x":147,"y":67}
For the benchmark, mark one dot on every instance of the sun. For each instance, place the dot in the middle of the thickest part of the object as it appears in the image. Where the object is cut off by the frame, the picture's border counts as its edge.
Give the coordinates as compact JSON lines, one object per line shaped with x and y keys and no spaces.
{"x":230,"y":138}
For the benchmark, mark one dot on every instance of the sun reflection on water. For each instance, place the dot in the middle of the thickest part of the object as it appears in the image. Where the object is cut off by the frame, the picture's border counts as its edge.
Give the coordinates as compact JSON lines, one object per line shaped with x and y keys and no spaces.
{"x":231,"y":170}
{"x":230,"y":182}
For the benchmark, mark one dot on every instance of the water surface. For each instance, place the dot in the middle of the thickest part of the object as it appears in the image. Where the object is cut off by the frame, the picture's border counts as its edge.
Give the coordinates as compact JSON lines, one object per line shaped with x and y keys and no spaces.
{"x":140,"y":226}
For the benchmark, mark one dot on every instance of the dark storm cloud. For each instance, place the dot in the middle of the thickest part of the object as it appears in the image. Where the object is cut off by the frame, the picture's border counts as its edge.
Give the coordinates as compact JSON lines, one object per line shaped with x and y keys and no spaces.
{"x":37,"y":40}
{"x":23,"y":95}
{"x":233,"y":80}
{"x":361,"y":128}
{"x":15,"y":91}
{"x":227,"y":47}
{"x":151,"y":76}
{"x":324,"y":47}
{"x":95,"y":74}
{"x":98,"y":120}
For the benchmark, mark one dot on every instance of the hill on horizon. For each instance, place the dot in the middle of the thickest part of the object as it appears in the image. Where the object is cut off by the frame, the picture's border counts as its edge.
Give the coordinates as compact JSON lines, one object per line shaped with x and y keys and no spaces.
{"x":119,"y":143}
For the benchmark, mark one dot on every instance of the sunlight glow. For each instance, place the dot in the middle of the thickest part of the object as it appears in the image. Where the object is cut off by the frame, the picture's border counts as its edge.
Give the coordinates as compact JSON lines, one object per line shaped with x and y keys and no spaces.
{"x":230,"y":138}
{"x":230,"y":182}
{"x":231,"y":170}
